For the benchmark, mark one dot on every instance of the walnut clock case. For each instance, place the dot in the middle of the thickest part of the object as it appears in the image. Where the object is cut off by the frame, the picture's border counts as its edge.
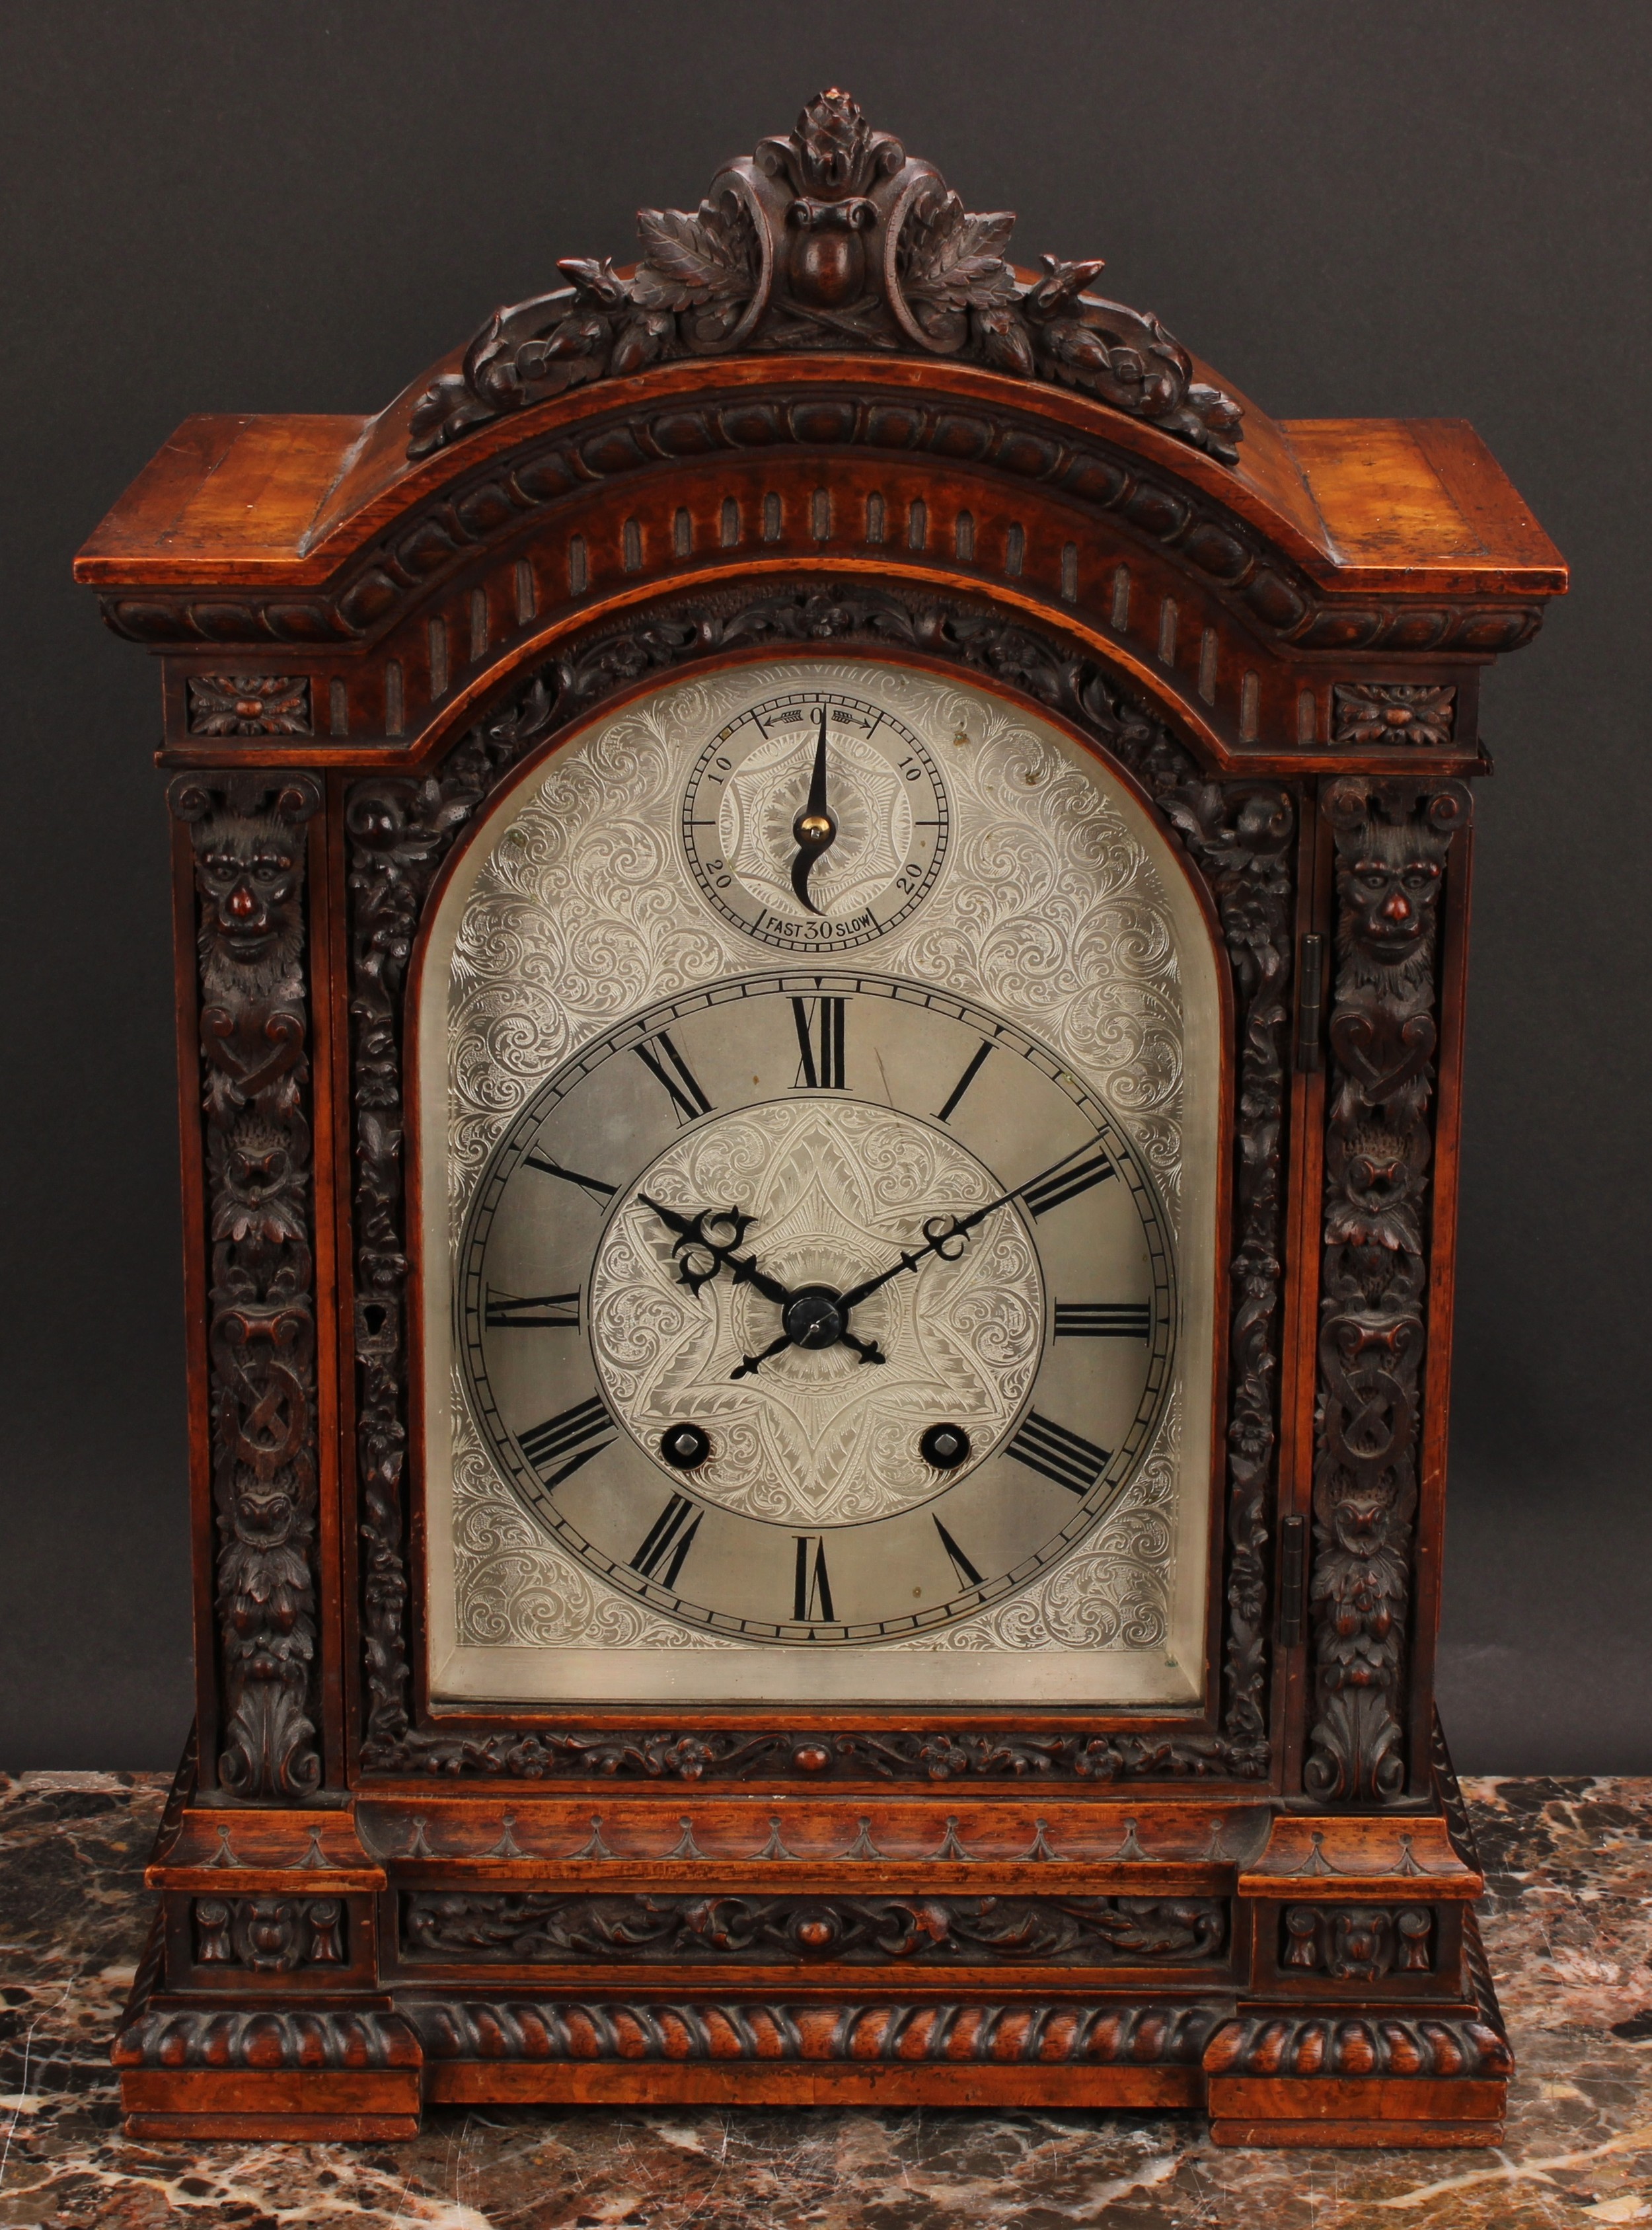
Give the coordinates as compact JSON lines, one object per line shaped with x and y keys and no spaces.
{"x":821,"y":907}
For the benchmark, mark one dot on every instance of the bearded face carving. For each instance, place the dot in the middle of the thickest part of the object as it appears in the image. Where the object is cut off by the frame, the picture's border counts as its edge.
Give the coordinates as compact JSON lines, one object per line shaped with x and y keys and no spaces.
{"x":1391,"y":895}
{"x":250,"y":876}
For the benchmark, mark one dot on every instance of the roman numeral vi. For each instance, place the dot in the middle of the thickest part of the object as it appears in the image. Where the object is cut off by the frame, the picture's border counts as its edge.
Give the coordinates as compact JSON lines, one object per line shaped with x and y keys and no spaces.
{"x":811,"y":1594}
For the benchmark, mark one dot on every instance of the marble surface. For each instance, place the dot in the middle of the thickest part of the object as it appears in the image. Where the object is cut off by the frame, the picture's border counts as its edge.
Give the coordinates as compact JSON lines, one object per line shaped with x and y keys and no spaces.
{"x":1568,"y":1920}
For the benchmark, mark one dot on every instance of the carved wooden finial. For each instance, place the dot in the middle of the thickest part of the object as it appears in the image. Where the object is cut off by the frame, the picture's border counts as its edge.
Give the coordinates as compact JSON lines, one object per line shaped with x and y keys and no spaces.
{"x":830,"y":238}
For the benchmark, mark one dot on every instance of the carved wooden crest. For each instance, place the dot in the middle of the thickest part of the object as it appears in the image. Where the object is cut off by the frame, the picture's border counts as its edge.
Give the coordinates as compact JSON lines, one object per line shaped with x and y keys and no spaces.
{"x":832,"y":238}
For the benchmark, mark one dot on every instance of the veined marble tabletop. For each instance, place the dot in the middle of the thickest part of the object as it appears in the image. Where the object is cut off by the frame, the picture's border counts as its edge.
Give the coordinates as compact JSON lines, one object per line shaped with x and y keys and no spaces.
{"x":1568,"y":1925}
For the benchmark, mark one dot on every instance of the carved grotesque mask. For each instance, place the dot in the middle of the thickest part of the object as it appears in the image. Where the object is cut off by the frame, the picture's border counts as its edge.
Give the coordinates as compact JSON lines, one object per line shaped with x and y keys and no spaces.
{"x":1391,"y":894}
{"x":248,"y":874}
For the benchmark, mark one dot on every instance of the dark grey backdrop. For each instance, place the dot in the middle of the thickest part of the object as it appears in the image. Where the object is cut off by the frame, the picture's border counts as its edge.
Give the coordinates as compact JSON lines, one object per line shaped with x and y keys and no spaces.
{"x":1438,"y":207}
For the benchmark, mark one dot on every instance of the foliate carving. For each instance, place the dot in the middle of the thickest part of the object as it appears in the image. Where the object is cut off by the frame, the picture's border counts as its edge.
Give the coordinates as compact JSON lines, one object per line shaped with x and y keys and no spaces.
{"x":1240,"y":835}
{"x":1058,"y":2035}
{"x":248,"y":835}
{"x":249,"y":705}
{"x":1357,"y":1943}
{"x":831,"y":237}
{"x":1392,"y":837}
{"x":270,"y":1934}
{"x":1368,"y":713}
{"x":533,"y":1927}
{"x":398,"y":830}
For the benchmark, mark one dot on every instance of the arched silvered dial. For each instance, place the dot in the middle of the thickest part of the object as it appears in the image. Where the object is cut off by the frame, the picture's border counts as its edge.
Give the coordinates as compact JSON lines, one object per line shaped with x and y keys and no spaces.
{"x":816,"y":1308}
{"x":820,"y":1066}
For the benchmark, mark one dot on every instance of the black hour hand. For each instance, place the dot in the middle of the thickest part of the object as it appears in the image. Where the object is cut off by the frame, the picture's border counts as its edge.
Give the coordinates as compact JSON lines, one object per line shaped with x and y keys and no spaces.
{"x":705,"y":1244}
{"x":815,"y":829}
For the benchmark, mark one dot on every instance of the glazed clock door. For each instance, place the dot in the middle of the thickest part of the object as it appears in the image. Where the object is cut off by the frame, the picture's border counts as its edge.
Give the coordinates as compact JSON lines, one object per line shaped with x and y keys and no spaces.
{"x":819,"y":1135}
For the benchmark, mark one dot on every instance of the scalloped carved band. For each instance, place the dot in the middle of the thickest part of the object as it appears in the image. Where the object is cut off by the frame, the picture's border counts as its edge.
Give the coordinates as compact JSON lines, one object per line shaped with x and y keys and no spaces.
{"x":248,"y":836}
{"x":200,"y":2037}
{"x":1322,"y":2044}
{"x":1150,"y":2035}
{"x":1392,"y":837}
{"x":830,"y":238}
{"x":531,"y":1927}
{"x":1240,"y":836}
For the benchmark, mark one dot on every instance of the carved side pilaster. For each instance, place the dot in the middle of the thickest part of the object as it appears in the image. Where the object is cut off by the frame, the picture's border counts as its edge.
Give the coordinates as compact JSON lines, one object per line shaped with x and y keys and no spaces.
{"x":1392,"y":837}
{"x":248,"y":835}
{"x":399,"y":830}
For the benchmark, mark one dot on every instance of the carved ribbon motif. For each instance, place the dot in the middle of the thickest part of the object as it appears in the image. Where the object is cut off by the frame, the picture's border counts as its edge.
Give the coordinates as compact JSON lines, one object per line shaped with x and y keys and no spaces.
{"x":833,"y":237}
{"x":248,"y":832}
{"x":1392,"y":837}
{"x":1239,"y":836}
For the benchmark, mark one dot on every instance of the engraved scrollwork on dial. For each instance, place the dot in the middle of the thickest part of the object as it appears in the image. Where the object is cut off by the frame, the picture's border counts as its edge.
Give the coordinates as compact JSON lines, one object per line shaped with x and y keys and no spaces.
{"x":837,"y":1191}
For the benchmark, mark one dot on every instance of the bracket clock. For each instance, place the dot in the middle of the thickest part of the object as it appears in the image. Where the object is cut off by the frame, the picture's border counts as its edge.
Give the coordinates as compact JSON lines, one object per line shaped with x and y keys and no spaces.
{"x":821,"y":901}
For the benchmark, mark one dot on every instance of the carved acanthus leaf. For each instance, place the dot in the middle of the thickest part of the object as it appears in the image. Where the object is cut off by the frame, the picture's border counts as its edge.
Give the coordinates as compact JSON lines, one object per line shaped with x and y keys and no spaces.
{"x":830,"y":238}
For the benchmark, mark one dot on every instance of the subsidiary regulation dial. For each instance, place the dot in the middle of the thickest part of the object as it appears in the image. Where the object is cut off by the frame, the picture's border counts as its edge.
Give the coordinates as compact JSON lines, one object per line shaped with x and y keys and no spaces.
{"x":815,"y":821}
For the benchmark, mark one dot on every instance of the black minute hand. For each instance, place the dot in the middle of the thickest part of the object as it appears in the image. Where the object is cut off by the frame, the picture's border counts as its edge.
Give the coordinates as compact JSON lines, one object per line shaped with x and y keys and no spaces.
{"x":940,"y":1230}
{"x":816,"y":827}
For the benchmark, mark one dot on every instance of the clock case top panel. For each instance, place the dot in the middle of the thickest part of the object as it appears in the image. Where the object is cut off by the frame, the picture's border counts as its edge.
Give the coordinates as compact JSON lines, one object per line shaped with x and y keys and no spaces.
{"x":1054,"y":897}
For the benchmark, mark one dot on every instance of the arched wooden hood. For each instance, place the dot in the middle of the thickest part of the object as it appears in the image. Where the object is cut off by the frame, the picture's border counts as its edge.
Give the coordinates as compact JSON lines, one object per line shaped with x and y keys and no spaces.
{"x":833,"y":364}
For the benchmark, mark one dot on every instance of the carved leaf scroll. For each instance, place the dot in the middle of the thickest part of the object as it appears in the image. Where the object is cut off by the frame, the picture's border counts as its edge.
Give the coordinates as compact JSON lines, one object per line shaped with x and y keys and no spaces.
{"x":1392,"y":837}
{"x":249,"y":837}
{"x":533,"y":1927}
{"x":830,"y":238}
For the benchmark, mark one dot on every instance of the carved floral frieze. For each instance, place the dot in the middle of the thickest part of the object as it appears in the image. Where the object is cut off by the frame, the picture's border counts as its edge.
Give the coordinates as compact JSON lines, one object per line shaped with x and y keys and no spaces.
{"x":530,"y":1928}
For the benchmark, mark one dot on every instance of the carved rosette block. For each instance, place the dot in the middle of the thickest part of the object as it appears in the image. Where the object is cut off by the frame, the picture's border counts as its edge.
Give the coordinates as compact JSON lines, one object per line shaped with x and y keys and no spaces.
{"x":1392,"y":836}
{"x":249,"y":705}
{"x":1368,"y":713}
{"x":249,"y":837}
{"x":830,"y":238}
